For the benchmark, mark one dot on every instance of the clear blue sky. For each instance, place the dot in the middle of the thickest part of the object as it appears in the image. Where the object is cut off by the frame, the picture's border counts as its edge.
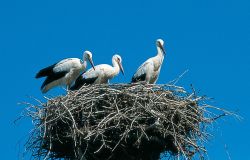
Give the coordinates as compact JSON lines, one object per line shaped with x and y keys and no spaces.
{"x":211,"y":38}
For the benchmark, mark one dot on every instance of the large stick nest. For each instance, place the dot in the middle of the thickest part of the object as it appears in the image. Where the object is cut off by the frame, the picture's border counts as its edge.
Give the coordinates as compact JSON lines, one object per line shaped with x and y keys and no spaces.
{"x":121,"y":122}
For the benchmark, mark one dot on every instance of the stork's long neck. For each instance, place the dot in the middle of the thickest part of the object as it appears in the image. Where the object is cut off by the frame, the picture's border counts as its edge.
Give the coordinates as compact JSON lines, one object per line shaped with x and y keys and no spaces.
{"x":160,"y":54}
{"x":84,"y":65}
{"x":116,"y":67}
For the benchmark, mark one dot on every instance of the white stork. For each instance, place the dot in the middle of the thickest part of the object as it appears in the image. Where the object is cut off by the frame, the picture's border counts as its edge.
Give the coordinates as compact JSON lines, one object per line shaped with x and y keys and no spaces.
{"x":149,"y":71}
{"x":64,"y":72}
{"x":102,"y":73}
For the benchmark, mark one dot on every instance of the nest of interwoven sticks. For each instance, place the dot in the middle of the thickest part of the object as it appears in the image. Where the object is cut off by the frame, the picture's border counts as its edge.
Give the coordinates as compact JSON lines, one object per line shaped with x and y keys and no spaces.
{"x":121,"y":122}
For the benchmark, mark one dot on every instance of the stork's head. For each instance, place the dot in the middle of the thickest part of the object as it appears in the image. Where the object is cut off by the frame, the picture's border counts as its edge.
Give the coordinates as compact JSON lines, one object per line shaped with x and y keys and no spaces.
{"x":88,"y":56}
{"x":118,"y":59}
{"x":160,"y":44}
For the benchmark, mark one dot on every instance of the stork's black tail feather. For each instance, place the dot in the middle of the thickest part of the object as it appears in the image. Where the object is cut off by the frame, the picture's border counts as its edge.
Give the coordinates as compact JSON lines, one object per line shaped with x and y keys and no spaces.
{"x":45,"y":71}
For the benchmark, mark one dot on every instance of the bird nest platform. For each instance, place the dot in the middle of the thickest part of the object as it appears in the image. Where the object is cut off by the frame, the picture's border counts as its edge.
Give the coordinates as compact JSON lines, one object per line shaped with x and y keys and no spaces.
{"x":121,"y":122}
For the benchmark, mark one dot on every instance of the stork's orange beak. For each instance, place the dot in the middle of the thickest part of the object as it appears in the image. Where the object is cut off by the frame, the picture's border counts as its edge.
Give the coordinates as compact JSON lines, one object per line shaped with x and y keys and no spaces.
{"x":162,"y":48}
{"x":121,"y":68}
{"x":92,"y":63}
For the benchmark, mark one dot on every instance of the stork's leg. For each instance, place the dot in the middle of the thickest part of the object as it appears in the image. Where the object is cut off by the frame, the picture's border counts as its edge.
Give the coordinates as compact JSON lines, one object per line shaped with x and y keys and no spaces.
{"x":67,"y":88}
{"x":68,"y":85}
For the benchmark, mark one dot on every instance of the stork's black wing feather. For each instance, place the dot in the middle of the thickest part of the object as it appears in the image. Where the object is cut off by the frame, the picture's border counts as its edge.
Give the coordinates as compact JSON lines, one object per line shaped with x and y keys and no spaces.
{"x":141,"y":77}
{"x":80,"y":81}
{"x":140,"y":74}
{"x":45,"y":71}
{"x":53,"y":76}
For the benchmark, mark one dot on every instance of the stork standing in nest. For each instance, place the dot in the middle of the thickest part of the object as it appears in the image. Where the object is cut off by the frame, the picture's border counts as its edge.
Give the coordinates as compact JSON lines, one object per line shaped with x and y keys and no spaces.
{"x":101,"y":74}
{"x":64,"y":72}
{"x":149,"y":71}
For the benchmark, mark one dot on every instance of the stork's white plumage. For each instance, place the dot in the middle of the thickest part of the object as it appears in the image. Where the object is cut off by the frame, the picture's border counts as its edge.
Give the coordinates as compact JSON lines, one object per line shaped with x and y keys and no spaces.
{"x":64,"y":72}
{"x":102,"y":73}
{"x":149,"y":71}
